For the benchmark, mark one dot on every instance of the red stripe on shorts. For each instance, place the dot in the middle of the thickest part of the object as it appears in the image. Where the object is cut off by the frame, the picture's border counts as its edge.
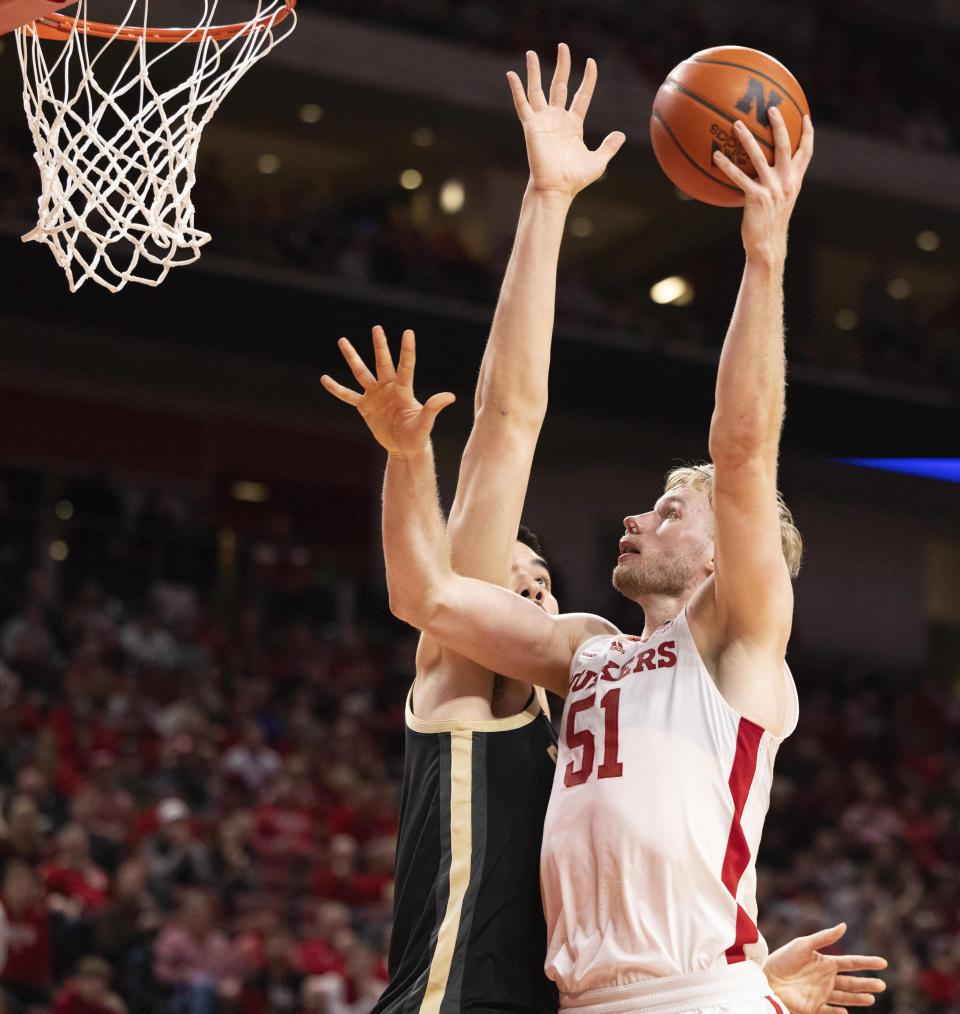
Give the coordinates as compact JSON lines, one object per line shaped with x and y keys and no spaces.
{"x":775,"y":1005}
{"x":737,"y":856}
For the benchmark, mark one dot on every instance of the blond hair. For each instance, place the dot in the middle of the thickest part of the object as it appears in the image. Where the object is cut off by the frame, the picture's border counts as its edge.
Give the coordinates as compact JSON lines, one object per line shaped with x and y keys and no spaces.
{"x":700,"y":477}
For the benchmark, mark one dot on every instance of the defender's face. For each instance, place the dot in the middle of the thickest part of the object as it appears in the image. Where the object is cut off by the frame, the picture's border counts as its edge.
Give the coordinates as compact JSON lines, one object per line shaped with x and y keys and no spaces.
{"x":669,"y":549}
{"x":530,"y":577}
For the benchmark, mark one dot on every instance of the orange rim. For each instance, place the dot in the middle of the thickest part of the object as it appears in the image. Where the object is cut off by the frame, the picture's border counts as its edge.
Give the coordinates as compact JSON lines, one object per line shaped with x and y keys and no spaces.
{"x":59,"y":26}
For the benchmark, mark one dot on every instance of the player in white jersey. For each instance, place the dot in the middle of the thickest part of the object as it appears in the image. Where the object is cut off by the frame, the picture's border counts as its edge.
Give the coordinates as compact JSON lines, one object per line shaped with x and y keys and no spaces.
{"x":685,"y":718}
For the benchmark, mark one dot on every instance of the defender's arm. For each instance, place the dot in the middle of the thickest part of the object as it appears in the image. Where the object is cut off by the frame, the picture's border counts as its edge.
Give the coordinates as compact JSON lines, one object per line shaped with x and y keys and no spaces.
{"x":511,"y":394}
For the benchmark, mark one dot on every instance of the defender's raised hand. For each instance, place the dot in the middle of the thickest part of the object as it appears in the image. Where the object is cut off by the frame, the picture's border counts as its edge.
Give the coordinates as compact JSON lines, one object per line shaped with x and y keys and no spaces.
{"x":769,"y":199}
{"x":397,"y":420}
{"x":559,"y":159}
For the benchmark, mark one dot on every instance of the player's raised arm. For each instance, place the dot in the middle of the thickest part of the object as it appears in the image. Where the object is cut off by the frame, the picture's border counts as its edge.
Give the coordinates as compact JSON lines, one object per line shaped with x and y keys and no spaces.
{"x":511,"y":395}
{"x":744,"y":614}
{"x":493,"y":626}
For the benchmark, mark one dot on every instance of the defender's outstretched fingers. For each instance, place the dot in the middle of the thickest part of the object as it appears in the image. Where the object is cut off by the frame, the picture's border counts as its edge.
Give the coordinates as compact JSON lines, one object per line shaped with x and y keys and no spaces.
{"x":736,"y":174}
{"x":435,"y":404}
{"x":610,"y":145}
{"x":339,"y":391}
{"x":535,"y":95}
{"x":407,"y":360}
{"x":519,"y":96}
{"x":357,"y":366}
{"x":561,"y":76}
{"x":381,"y":354}
{"x":581,"y":101}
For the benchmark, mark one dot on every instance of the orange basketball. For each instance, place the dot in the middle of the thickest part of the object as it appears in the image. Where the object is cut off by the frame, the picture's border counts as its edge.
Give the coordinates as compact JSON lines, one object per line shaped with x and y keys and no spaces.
{"x":695,"y":109}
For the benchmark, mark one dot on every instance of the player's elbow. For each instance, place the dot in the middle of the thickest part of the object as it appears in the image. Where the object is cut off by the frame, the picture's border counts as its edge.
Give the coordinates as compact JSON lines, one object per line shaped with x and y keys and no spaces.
{"x":521,"y":413}
{"x":739,"y":436}
{"x":416,"y":606}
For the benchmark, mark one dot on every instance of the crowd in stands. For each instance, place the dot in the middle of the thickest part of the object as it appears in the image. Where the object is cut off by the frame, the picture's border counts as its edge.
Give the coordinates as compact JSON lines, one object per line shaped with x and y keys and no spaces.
{"x":890,"y":77}
{"x":199,"y":805}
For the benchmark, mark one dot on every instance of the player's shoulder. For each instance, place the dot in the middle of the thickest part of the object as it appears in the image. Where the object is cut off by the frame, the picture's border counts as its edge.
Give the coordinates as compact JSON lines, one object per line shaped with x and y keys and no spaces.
{"x":584,"y":627}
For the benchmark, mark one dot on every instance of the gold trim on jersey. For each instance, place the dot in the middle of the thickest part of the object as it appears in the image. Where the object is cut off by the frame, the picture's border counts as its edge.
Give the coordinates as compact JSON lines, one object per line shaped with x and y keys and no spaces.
{"x":517,"y":721}
{"x":461,"y":853}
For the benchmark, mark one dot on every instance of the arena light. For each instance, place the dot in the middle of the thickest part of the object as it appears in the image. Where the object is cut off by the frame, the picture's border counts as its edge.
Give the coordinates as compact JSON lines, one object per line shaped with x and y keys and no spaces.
{"x":310,"y":112}
{"x":944,"y":469}
{"x":928,"y":240}
{"x":898,"y":288}
{"x":846,"y":319}
{"x":249,"y":491}
{"x":411,"y":179}
{"x":672,"y":291}
{"x":581,"y":227}
{"x":59,"y":550}
{"x":63,"y":510}
{"x":452,"y":196}
{"x":423,"y":137}
{"x":268,"y":163}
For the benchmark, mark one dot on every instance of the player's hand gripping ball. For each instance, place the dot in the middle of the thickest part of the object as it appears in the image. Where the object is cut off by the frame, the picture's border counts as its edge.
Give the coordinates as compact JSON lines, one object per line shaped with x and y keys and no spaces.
{"x":695,"y":109}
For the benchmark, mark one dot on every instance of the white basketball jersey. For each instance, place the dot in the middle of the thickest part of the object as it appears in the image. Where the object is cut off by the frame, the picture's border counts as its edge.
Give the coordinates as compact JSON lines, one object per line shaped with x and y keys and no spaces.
{"x":651,"y":835}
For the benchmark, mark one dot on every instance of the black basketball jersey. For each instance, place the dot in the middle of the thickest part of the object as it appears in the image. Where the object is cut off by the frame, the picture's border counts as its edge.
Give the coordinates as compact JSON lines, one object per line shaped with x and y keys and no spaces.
{"x":469,"y":933}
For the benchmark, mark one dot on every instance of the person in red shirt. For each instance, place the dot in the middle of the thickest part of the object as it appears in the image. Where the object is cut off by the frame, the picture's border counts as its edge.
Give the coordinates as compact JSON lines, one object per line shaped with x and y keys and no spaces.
{"x":25,"y":980}
{"x":88,"y":992}
{"x":74,"y":877}
{"x":77,"y":889}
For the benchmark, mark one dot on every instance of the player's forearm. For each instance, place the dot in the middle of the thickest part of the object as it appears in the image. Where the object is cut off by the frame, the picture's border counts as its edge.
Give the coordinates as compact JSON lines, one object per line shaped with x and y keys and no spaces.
{"x":415,"y":546}
{"x":513,"y":374}
{"x":751,"y":377}
{"x":486,"y":623}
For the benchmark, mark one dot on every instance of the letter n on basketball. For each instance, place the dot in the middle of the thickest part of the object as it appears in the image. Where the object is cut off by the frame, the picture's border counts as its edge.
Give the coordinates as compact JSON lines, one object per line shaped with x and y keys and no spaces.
{"x":756,"y":96}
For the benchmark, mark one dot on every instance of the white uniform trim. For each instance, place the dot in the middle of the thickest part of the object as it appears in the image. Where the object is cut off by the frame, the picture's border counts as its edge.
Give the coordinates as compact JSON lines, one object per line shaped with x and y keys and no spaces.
{"x":719,"y":987}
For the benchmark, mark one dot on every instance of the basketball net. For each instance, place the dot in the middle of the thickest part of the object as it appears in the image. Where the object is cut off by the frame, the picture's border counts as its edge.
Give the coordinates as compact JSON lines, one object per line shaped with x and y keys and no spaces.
{"x":117,"y":154}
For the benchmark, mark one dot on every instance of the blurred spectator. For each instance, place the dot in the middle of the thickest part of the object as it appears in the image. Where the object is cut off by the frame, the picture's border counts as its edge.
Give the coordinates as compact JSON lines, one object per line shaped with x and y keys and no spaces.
{"x":28,"y":972}
{"x":104,"y":808}
{"x":251,"y":760}
{"x":196,"y":958}
{"x":146,"y":643}
{"x":175,"y":858}
{"x":73,"y":877}
{"x":28,"y":644}
{"x":276,"y":987}
{"x":88,"y":991}
{"x":77,"y":888}
{"x":23,"y":837}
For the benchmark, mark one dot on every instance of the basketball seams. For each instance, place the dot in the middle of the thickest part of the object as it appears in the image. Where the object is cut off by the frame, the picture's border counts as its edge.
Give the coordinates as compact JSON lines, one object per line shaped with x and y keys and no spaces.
{"x":684,"y":90}
{"x":753,"y":70}
{"x":691,"y":160}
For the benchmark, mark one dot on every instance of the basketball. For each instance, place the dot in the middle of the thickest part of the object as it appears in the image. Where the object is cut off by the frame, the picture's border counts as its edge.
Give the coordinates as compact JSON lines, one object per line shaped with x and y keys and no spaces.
{"x":695,"y":109}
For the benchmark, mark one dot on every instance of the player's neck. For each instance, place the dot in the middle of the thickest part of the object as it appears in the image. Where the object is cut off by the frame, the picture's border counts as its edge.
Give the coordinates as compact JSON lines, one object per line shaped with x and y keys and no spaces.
{"x":658,"y":609}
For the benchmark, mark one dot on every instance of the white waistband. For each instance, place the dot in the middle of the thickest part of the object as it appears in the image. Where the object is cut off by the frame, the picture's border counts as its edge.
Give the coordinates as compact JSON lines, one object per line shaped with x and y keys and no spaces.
{"x":709,"y":988}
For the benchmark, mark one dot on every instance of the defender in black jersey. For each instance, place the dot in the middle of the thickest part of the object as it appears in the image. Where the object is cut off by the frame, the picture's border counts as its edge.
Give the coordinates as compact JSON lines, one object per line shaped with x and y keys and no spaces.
{"x":468,"y":932}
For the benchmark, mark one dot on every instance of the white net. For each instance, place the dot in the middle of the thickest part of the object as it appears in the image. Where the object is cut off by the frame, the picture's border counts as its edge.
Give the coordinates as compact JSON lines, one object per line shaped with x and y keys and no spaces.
{"x":117,"y":124}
